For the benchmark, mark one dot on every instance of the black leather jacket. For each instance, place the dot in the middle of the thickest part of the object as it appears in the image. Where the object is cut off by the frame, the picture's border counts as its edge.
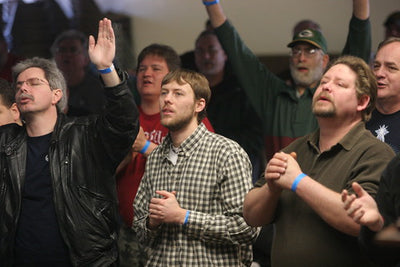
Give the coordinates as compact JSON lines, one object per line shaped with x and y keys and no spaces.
{"x":84,"y":153}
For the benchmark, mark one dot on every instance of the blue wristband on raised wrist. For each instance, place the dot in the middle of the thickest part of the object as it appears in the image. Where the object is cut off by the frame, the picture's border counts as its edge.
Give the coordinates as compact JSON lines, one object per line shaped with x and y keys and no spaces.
{"x":145,"y":147}
{"x":297,"y":180}
{"x":210,"y":3}
{"x":108,"y":70}
{"x":186,"y":217}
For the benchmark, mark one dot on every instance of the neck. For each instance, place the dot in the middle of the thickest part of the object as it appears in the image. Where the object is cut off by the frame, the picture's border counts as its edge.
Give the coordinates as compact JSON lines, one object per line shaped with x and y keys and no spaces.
{"x":302,"y":88}
{"x":40,"y":124}
{"x":180,"y":135}
{"x":388,"y":106}
{"x":215,"y":79}
{"x":332,"y":130}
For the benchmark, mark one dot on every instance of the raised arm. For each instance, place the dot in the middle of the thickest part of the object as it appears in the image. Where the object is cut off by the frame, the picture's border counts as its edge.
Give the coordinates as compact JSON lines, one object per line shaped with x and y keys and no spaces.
{"x":361,"y":9}
{"x":359,"y":41}
{"x":260,"y":84}
{"x":102,"y":53}
{"x":215,"y":13}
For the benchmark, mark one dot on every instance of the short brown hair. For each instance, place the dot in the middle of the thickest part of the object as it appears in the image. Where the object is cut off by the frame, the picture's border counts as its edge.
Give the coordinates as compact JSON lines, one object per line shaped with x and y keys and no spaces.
{"x":197,"y":82}
{"x":365,"y":83}
{"x":164,"y":51}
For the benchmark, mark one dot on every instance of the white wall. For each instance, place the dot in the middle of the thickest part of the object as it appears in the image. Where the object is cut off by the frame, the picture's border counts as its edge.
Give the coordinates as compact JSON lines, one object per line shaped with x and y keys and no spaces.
{"x":265,"y":25}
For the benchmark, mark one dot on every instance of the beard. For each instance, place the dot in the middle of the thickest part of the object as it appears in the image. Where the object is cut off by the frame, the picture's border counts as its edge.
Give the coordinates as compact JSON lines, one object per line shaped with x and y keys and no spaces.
{"x":178,"y":123}
{"x":323,"y":111}
{"x":306,"y":79}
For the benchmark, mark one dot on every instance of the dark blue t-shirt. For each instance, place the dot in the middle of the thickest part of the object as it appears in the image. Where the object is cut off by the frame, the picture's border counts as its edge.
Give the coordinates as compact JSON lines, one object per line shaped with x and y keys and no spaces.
{"x":38,"y":240}
{"x":386,"y":128}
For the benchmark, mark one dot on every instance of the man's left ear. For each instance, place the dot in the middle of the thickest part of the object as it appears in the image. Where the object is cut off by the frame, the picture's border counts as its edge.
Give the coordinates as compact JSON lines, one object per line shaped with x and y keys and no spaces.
{"x":200,"y":105}
{"x":57,"y":95}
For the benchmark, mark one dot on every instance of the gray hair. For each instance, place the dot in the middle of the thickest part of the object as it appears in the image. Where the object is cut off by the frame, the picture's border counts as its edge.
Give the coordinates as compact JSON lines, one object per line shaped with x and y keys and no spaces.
{"x":52,"y":73}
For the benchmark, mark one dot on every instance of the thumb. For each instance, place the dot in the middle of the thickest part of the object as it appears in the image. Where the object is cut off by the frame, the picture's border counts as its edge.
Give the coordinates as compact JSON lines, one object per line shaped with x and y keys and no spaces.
{"x":358,"y":189}
{"x":294,"y":155}
{"x":92,"y":42}
{"x":164,"y":193}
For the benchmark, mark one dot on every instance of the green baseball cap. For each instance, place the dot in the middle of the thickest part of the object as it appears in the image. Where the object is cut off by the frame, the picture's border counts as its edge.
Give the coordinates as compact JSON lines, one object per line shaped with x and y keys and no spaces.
{"x":312,"y":37}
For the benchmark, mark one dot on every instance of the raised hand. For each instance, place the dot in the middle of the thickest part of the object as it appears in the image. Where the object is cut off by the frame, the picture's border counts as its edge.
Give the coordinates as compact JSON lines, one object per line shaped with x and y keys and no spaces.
{"x":102,"y":52}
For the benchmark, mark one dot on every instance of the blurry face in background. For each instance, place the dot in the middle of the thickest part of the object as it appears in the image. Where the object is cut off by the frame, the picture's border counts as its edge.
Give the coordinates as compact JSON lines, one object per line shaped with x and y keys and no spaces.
{"x":150,"y":73}
{"x":70,"y":56}
{"x":210,"y":58}
{"x":306,"y":69}
{"x":8,"y":114}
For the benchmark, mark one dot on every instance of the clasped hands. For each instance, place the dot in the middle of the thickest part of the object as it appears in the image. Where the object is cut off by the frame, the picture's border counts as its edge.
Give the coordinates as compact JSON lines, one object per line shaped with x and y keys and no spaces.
{"x":165,"y":209}
{"x":281,"y":171}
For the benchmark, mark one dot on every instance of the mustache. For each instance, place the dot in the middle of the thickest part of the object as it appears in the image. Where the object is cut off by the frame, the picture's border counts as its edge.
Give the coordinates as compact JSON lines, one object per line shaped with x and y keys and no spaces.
{"x":24,"y":95}
{"x":325,"y":96}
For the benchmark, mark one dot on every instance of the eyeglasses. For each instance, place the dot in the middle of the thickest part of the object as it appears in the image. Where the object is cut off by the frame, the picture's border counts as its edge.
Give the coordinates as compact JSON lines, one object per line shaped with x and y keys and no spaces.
{"x":31,"y":82}
{"x":210,"y":51}
{"x":308,"y":52}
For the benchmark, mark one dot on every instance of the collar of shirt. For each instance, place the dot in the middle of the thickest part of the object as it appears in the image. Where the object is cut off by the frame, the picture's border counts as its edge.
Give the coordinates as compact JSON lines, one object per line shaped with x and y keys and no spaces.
{"x":347,"y":142}
{"x":188,"y":146}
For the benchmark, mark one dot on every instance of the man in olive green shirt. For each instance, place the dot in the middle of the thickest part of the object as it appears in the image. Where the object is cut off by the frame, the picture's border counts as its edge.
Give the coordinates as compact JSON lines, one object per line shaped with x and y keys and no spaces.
{"x":301,"y":190}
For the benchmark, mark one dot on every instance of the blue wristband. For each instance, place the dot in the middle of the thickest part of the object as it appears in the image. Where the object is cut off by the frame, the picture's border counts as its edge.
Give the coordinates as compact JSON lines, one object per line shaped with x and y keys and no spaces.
{"x":186,"y":217}
{"x":297,"y":180}
{"x":210,"y":3}
{"x":108,"y":70}
{"x":146,"y":146}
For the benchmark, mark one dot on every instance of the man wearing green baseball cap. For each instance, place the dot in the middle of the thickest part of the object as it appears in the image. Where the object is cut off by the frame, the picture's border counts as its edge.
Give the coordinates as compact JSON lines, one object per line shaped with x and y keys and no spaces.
{"x":285,"y":109}
{"x":312,"y":37}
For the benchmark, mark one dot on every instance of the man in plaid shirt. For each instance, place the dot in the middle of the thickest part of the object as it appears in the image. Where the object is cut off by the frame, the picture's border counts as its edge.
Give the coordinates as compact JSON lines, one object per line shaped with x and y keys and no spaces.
{"x":188,"y":209}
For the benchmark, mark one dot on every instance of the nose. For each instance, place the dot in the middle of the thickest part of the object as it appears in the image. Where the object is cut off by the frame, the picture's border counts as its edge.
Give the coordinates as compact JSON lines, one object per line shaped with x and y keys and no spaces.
{"x":326,"y":86}
{"x":378,"y":71}
{"x":206,"y":54}
{"x":302,"y":56}
{"x":167,"y":98}
{"x":21,"y":86}
{"x":147,"y":72}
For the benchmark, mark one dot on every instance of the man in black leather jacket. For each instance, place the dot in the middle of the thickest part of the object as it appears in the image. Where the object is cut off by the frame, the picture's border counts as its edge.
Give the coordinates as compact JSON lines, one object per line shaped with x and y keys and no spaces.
{"x":58,"y":202}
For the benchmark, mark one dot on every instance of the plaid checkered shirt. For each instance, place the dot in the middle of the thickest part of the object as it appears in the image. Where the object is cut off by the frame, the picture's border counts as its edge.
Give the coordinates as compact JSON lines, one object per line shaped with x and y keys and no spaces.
{"x":211,"y":177}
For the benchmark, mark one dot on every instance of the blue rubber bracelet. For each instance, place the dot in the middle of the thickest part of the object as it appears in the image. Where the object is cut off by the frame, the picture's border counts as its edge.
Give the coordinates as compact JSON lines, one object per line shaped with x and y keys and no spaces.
{"x":297,"y":180}
{"x":186,"y":217}
{"x":108,"y":70}
{"x":146,"y":146}
{"x":210,"y":3}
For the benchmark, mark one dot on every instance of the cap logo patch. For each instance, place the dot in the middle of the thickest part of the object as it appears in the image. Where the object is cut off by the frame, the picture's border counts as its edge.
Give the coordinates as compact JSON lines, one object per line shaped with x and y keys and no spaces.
{"x":306,"y":34}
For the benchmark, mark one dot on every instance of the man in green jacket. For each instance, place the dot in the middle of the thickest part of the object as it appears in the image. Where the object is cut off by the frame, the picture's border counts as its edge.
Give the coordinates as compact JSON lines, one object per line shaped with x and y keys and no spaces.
{"x":286,"y":110}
